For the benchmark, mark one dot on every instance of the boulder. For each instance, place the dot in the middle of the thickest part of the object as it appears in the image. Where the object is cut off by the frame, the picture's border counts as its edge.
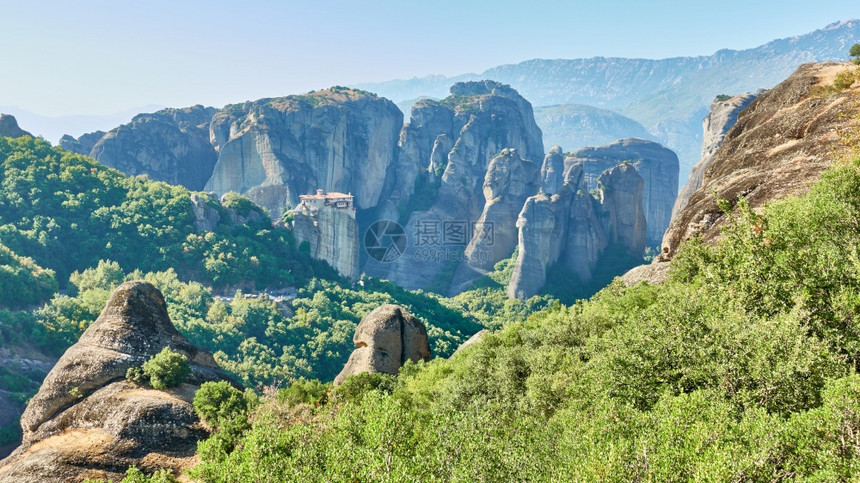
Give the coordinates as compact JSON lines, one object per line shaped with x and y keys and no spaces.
{"x":87,"y":421}
{"x":385,"y":339}
{"x":653,"y":273}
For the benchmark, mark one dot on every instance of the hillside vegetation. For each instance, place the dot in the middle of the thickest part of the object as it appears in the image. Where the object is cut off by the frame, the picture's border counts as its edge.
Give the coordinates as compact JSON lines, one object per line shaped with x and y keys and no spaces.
{"x":742,"y":367}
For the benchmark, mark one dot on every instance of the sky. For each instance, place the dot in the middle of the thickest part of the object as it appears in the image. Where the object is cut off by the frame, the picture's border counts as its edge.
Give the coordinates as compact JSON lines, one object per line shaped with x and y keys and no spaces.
{"x":100,"y":57}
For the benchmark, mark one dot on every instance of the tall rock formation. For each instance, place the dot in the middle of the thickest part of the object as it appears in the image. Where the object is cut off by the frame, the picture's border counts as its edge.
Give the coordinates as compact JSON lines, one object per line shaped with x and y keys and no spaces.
{"x":456,"y":138}
{"x":273,"y":150}
{"x":574,"y":227}
{"x":385,"y":339}
{"x":326,"y":221}
{"x":552,"y":171}
{"x":170,"y":145}
{"x":508,"y":182}
{"x":780,"y":145}
{"x":721,"y":118}
{"x":620,"y":195}
{"x":87,"y":421}
{"x":9,"y":127}
{"x":657,"y":166}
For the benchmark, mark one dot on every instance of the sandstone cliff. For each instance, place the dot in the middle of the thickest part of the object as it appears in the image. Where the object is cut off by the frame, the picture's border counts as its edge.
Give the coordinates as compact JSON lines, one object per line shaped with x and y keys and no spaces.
{"x":331,"y":233}
{"x":508,"y":182}
{"x":170,"y":145}
{"x":658,"y":167}
{"x":780,"y":144}
{"x":385,"y":339}
{"x":452,"y":142}
{"x":721,"y":118}
{"x":82,"y":145}
{"x":273,"y":150}
{"x":9,"y":127}
{"x":619,"y":191}
{"x":87,"y":422}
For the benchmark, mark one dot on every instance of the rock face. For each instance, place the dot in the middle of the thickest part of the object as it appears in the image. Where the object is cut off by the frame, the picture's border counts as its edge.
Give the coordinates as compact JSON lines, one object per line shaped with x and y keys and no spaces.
{"x":330,"y":229}
{"x":385,"y":339}
{"x":9,"y":127}
{"x":653,"y":273}
{"x":170,"y":145}
{"x":657,"y":166}
{"x":508,"y":182}
{"x":453,"y":141}
{"x":721,"y":118}
{"x":780,"y":144}
{"x":273,"y":150}
{"x":82,"y":145}
{"x":552,"y":171}
{"x":620,"y":195}
{"x":87,"y":422}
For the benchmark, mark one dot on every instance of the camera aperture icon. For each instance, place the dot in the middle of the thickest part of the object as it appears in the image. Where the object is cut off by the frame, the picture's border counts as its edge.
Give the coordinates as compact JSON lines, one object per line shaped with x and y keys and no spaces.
{"x":385,"y":241}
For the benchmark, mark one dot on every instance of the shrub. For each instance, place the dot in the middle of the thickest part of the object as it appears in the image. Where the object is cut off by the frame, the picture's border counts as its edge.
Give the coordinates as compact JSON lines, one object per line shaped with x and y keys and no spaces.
{"x":844,"y":80}
{"x":219,"y":402}
{"x":166,"y":369}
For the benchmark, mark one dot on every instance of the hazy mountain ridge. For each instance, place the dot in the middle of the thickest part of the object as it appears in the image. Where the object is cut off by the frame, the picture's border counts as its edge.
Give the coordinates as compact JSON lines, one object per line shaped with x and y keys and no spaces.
{"x":668,"y":96}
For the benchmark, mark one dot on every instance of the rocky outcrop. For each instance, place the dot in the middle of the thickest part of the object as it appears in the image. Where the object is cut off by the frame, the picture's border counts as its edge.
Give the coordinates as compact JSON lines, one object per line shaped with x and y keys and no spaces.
{"x":385,"y":339}
{"x":657,"y":166}
{"x":273,"y":150}
{"x":82,"y":145}
{"x":780,"y":145}
{"x":471,"y":341}
{"x":653,"y":273}
{"x":170,"y":145}
{"x":86,"y":421}
{"x":457,"y":138}
{"x":330,"y":231}
{"x":552,"y":171}
{"x":563,"y":228}
{"x":723,"y":115}
{"x":620,"y":196}
{"x":9,"y":127}
{"x":508,"y":182}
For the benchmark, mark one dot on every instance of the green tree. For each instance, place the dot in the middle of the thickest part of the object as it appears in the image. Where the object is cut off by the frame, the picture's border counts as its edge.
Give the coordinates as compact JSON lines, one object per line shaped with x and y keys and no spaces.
{"x":854,"y":53}
{"x":167,"y":369}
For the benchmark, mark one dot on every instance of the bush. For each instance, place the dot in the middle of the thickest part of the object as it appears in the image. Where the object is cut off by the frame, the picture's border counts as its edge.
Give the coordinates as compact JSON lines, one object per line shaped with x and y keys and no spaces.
{"x":166,"y":369}
{"x":844,"y":80}
{"x":219,"y":402}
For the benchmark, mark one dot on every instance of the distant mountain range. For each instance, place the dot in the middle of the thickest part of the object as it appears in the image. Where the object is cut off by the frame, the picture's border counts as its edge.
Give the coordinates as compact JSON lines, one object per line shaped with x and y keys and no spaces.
{"x":667,"y":96}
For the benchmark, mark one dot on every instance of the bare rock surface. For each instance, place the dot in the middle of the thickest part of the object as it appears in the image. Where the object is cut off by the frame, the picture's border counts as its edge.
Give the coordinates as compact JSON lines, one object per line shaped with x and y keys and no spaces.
{"x":9,"y":127}
{"x":385,"y":339}
{"x":722,"y":116}
{"x":780,"y":145}
{"x":87,"y":421}
{"x":657,"y":166}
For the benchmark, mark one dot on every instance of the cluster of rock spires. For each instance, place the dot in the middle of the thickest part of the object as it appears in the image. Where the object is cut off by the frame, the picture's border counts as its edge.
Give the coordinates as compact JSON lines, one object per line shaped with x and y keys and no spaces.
{"x":87,"y":421}
{"x":464,"y":166}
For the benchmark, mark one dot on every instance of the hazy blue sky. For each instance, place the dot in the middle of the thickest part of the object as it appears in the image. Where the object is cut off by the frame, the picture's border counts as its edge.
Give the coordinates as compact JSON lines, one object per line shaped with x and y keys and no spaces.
{"x":97,"y":57}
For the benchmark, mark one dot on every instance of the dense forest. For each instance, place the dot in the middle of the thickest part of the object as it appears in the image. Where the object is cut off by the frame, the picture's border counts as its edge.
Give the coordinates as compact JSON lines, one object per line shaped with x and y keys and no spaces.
{"x":742,"y":367}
